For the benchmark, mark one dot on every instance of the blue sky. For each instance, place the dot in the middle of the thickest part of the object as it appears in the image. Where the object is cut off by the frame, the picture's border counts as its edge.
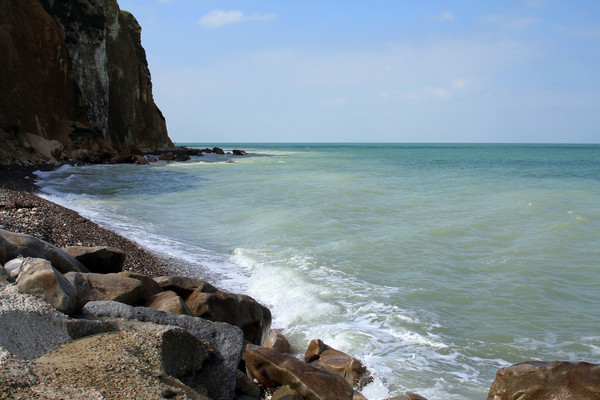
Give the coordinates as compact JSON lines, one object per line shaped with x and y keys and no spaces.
{"x":363,"y":71}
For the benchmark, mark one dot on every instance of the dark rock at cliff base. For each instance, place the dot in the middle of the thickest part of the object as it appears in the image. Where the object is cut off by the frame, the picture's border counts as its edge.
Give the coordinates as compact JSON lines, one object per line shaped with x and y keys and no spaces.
{"x":538,"y":380}
{"x":76,"y":82}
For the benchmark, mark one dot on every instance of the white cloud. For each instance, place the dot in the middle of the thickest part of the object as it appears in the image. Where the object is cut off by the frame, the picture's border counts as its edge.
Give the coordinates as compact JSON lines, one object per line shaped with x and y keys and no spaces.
{"x":445,"y":16}
{"x":217,"y":18}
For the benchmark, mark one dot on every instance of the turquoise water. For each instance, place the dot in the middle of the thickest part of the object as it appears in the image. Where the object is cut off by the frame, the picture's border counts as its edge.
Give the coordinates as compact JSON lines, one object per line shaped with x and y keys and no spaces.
{"x":434,"y":264}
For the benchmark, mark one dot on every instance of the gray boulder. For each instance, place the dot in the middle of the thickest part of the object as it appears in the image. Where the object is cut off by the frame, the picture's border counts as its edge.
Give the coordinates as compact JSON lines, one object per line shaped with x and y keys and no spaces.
{"x":184,"y":286}
{"x":99,"y":259}
{"x":13,"y":268}
{"x":29,"y":326}
{"x":38,"y":278}
{"x":218,"y":376}
{"x":20,"y":244}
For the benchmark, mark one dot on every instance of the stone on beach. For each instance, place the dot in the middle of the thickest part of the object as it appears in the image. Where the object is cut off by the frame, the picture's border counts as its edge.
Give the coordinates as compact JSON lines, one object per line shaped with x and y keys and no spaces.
{"x":538,"y":380}
{"x":92,"y":287}
{"x":337,"y":362}
{"x":38,"y":278}
{"x":99,"y":259}
{"x":236,"y":309}
{"x":29,"y":326}
{"x":276,"y":341}
{"x":272,"y":369}
{"x":24,"y":245}
{"x":167,"y":301}
{"x":219,"y":373}
{"x":13,"y":268}
{"x":183,"y":285}
{"x":149,"y":286}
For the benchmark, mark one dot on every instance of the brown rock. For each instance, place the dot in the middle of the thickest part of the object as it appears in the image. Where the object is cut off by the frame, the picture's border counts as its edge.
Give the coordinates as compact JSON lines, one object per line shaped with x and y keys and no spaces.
{"x":167,"y":156}
{"x":98,"y":259}
{"x":537,"y":380}
{"x":140,"y":160}
{"x":92,"y":287}
{"x":286,"y":393}
{"x":276,"y":341}
{"x":168,"y":302}
{"x":184,"y":286}
{"x":152,"y":159}
{"x":38,"y":278}
{"x":131,"y":150}
{"x":337,"y":362}
{"x":149,"y":286}
{"x":236,"y":309}
{"x":29,"y":246}
{"x":271,"y":369}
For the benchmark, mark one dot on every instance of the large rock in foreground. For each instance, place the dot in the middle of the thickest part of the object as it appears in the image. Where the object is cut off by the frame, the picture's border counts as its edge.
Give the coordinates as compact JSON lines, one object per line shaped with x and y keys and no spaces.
{"x":219,"y":373}
{"x":273,"y":369}
{"x":542,"y":380}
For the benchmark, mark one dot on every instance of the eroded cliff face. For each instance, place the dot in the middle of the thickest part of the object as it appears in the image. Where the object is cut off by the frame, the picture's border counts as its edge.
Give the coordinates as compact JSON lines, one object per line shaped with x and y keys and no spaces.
{"x":74,"y":82}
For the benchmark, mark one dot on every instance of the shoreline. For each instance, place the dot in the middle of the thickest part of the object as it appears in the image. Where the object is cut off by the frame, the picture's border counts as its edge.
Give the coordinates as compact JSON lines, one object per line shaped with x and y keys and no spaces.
{"x":23,"y":211}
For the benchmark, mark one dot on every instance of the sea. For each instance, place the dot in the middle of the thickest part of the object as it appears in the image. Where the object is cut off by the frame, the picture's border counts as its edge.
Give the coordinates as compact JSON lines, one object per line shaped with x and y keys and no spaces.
{"x":434,"y":264}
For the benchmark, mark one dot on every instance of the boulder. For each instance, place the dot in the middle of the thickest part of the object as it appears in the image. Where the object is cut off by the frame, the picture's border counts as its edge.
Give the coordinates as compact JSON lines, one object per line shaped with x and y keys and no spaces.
{"x":183,"y":285}
{"x":13,"y":268}
{"x":29,"y":246}
{"x":149,"y":286}
{"x":218,"y":375}
{"x":169,"y":302}
{"x":271,"y":369}
{"x":38,"y":278}
{"x":140,"y":160}
{"x":99,"y":259}
{"x":246,"y":388}
{"x":537,"y":380}
{"x":4,"y":245}
{"x":111,"y":287}
{"x":337,"y":362}
{"x":152,"y":159}
{"x":29,"y":326}
{"x":276,"y":341}
{"x":287,"y":393}
{"x":239,"y":152}
{"x":217,"y":150}
{"x":144,"y":361}
{"x":181,"y":157}
{"x":169,"y":156}
{"x":236,"y":309}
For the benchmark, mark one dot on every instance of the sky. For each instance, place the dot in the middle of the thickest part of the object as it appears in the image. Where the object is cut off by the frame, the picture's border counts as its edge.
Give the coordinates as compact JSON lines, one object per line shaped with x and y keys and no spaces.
{"x":374,"y":71}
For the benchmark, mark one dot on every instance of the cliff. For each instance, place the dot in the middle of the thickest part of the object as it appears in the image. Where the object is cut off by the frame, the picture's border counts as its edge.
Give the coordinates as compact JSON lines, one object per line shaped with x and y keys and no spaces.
{"x":74,"y":82}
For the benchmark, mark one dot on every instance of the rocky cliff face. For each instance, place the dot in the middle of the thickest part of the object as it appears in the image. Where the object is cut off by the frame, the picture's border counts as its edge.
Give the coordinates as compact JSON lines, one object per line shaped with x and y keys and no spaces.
{"x":74,"y":82}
